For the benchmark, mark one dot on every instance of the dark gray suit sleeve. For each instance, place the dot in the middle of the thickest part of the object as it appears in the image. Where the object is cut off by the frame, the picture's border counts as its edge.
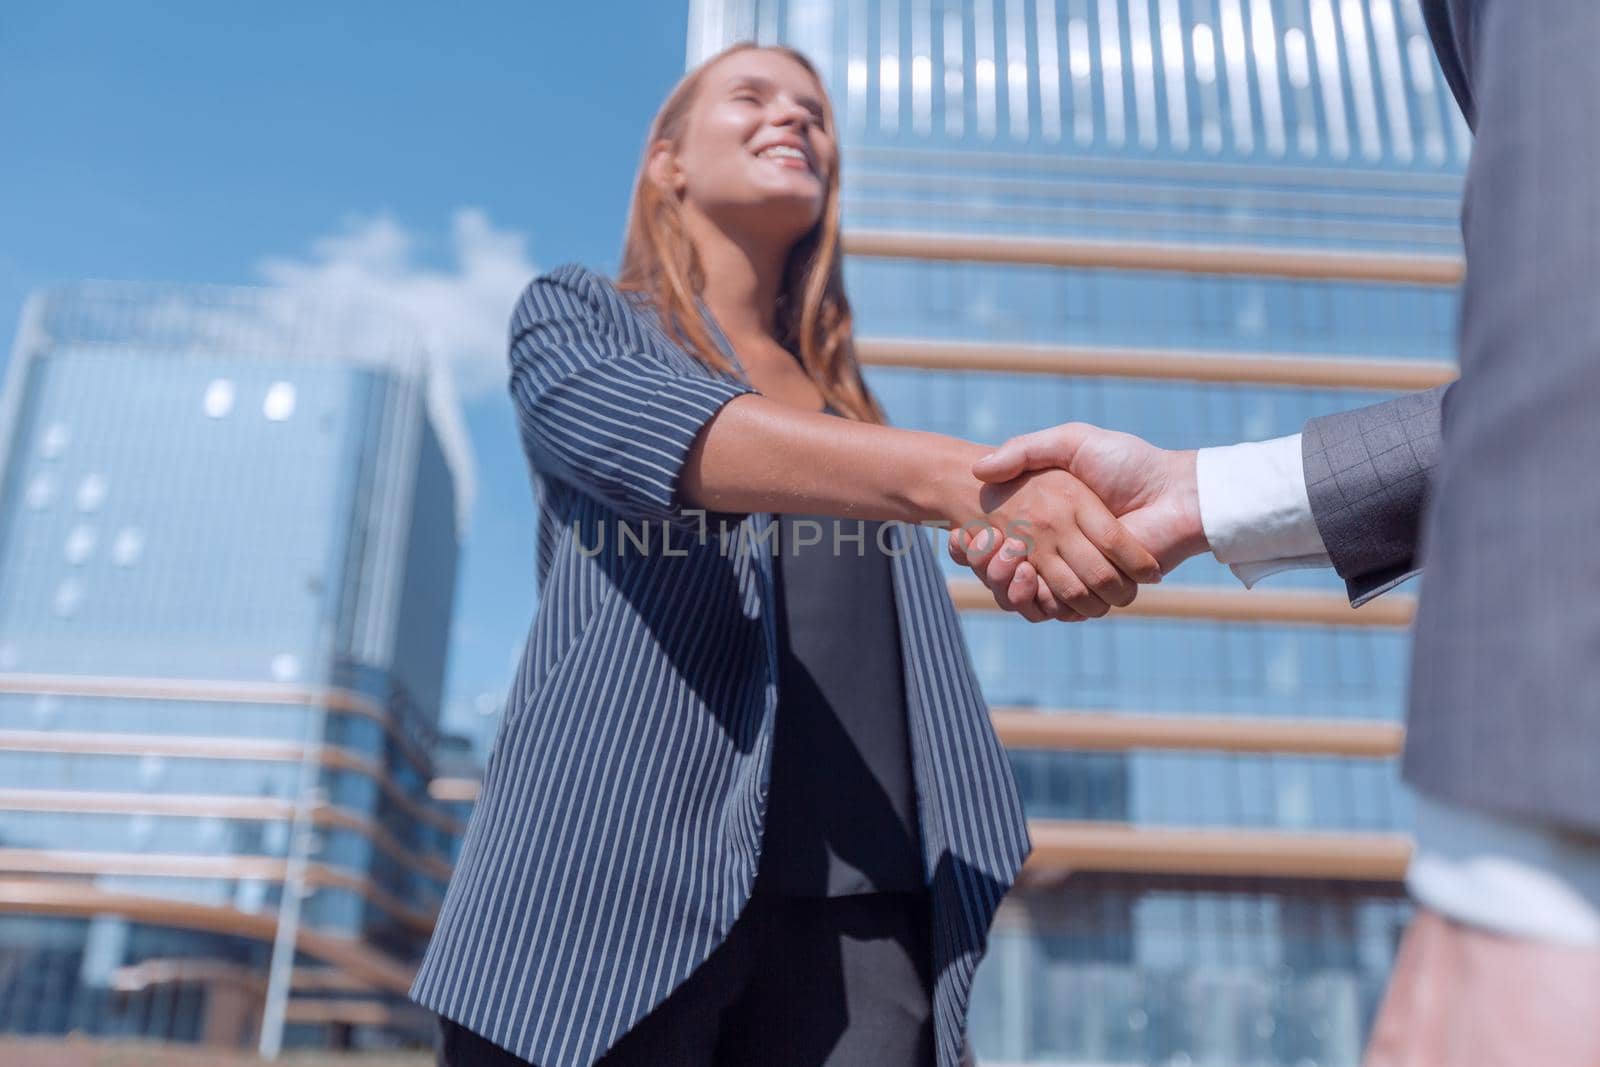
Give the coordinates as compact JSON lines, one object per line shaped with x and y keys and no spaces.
{"x":1368,"y":475}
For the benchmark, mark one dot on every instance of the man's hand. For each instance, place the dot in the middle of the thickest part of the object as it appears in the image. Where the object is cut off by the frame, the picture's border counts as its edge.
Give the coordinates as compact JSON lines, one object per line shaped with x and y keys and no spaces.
{"x":1084,"y":560}
{"x":1153,"y":491}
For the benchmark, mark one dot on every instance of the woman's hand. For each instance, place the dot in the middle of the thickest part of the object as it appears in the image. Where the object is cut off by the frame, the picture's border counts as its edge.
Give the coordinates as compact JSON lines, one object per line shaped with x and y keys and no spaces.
{"x":1080,"y":558}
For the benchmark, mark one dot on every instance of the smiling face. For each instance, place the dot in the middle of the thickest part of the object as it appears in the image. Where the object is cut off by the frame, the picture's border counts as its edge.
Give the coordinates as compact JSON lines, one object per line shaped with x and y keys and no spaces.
{"x":755,"y":155}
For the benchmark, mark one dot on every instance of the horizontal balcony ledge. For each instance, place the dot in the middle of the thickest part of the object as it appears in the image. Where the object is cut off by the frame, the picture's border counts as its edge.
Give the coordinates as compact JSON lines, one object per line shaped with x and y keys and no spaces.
{"x":221,"y":691}
{"x":1063,"y":847}
{"x":158,"y":971}
{"x":1229,"y":605}
{"x":76,"y":899}
{"x":130,"y":687}
{"x":357,"y":1012}
{"x":454,"y":790}
{"x":189,"y":805}
{"x":1257,"y":261}
{"x":1103,"y":731}
{"x":81,"y":864}
{"x":1159,"y":364}
{"x":83,"y":742}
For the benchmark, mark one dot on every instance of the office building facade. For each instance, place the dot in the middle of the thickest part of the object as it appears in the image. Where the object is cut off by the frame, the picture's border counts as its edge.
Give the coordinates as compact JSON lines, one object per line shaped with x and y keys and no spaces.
{"x":229,"y":529}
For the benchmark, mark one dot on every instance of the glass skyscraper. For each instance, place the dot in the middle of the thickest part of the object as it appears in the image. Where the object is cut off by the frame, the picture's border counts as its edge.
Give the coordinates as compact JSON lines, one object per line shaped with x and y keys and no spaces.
{"x":229,"y":529}
{"x":1201,"y":221}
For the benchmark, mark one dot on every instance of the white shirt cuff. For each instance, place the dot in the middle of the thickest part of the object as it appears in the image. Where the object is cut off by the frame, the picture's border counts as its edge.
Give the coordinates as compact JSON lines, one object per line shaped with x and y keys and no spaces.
{"x":1508,"y":875}
{"x":1251,"y":573}
{"x":1255,"y":509}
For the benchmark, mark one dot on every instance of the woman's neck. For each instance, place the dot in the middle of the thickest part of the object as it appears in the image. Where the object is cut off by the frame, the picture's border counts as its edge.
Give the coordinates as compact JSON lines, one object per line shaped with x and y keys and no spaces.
{"x":742,"y":279}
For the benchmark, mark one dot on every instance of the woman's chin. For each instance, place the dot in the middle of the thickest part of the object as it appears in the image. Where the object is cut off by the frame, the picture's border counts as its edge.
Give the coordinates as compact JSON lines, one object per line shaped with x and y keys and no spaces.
{"x":772,"y":213}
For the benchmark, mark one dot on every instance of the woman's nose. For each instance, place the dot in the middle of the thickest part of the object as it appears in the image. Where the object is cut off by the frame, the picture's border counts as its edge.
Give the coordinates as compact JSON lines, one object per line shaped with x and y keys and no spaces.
{"x":791,"y":114}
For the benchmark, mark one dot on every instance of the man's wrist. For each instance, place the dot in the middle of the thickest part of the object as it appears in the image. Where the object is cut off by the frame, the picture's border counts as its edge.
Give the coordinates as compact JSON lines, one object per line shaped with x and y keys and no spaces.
{"x":1183,"y":484}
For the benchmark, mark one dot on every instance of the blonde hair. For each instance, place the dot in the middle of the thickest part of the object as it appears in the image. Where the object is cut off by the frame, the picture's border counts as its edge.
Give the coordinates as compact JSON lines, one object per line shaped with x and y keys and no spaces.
{"x":813,"y":314}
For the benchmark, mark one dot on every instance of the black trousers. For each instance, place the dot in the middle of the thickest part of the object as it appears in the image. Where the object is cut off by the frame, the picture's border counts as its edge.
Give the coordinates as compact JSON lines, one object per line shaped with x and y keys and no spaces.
{"x":799,"y":982}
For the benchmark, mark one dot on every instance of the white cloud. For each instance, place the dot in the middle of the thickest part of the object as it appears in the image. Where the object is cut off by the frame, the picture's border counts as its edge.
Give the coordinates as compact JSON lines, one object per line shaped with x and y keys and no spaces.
{"x":461,"y":311}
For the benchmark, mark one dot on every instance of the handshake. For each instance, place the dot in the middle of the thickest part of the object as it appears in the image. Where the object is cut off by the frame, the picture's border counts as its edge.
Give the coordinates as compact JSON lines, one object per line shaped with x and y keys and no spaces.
{"x":1075,"y":518}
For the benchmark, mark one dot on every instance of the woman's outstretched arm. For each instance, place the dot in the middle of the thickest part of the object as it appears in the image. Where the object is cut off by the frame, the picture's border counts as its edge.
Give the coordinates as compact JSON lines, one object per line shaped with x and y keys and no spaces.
{"x":600,"y":412}
{"x":756,"y":454}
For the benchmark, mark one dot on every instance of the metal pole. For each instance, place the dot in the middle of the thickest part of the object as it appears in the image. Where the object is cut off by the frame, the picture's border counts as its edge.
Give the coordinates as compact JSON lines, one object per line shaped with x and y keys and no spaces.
{"x":301,"y":843}
{"x":294,"y":891}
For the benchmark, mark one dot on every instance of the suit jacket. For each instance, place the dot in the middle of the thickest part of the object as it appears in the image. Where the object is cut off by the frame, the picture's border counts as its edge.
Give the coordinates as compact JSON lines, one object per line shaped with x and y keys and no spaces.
{"x":618,"y":831}
{"x":1493,"y":480}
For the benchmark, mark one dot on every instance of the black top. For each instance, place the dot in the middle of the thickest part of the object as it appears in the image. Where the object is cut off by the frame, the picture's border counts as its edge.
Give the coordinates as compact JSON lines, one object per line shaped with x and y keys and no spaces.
{"x":841,"y":809}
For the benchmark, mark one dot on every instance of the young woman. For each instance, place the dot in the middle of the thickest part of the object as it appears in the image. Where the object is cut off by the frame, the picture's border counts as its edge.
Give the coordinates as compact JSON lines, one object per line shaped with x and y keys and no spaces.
{"x":745,"y":806}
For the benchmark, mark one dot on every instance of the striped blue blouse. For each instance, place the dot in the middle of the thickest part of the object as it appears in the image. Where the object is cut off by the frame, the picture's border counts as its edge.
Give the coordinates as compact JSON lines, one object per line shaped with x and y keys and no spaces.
{"x":617,"y":834}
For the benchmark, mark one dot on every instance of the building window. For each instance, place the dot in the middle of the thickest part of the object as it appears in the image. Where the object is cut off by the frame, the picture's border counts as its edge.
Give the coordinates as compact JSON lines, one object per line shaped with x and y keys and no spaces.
{"x":279,"y":404}
{"x":41,"y":490}
{"x":128,"y":546}
{"x":219,"y":398}
{"x":80,"y":544}
{"x":286,"y":666}
{"x":69,"y":594}
{"x":55,"y":439}
{"x":151,"y":769}
{"x":91,"y":492}
{"x":45,"y":706}
{"x":250,"y":895}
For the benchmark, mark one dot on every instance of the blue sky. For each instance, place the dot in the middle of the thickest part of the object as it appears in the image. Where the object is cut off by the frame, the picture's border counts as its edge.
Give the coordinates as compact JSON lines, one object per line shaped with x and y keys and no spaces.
{"x":433,"y":154}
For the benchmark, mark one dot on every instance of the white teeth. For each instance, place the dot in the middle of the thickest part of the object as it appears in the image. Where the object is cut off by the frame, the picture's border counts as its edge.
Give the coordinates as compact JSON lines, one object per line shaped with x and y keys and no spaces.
{"x":783,"y":150}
